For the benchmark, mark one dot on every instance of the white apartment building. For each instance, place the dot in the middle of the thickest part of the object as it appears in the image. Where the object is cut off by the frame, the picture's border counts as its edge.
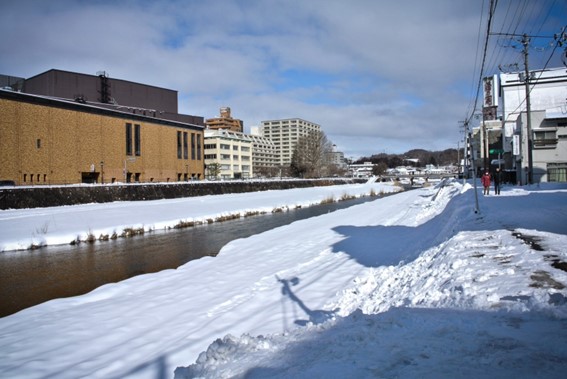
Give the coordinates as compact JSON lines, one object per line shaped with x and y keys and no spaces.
{"x":230,"y":151}
{"x":264,"y":155}
{"x":337,"y":158}
{"x":285,"y":134}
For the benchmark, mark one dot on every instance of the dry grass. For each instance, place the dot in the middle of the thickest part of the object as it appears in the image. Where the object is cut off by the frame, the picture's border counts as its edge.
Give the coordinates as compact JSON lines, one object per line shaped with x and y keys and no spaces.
{"x":131,"y":232}
{"x":345,"y":197}
{"x":328,"y":200}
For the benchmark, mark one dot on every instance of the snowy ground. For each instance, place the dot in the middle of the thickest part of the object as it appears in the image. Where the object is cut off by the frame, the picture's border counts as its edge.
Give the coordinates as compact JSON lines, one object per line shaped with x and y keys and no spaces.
{"x":414,"y":285}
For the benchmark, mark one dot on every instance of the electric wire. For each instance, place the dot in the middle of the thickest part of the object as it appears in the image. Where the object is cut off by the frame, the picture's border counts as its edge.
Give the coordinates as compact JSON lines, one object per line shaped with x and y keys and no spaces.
{"x":488,"y":28}
{"x":476,"y":59}
{"x":530,"y":88}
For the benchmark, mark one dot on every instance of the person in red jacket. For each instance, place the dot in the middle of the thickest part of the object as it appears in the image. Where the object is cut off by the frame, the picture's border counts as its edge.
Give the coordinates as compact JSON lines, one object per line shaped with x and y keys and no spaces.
{"x":486,"y":182}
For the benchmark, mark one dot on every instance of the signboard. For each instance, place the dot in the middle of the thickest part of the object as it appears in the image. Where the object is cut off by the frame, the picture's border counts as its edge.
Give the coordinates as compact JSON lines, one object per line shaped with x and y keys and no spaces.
{"x":490,"y":91}
{"x":516,"y":144}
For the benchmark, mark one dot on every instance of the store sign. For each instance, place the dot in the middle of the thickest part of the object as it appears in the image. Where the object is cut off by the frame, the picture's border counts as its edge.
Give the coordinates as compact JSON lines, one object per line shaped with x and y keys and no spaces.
{"x":490,"y":91}
{"x":516,"y":144}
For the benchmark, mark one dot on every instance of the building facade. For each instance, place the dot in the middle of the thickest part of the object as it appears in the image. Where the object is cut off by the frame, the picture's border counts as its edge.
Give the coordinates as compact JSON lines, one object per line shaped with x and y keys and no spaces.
{"x":49,"y":140}
{"x":264,"y":156}
{"x":228,"y":155}
{"x":541,"y":143}
{"x":285,"y":133}
{"x":225,"y":122}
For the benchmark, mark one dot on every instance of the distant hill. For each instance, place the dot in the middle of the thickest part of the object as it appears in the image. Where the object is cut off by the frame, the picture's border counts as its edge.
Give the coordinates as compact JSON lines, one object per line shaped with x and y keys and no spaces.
{"x":416,"y":158}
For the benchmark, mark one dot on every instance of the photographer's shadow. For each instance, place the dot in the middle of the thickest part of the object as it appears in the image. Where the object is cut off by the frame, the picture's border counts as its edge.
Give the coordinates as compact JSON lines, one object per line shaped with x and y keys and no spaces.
{"x":314,"y":316}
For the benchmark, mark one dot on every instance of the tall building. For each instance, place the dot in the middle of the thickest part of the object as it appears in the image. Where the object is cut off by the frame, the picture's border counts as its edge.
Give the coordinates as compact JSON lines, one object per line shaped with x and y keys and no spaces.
{"x":225,"y":121}
{"x":285,"y":133}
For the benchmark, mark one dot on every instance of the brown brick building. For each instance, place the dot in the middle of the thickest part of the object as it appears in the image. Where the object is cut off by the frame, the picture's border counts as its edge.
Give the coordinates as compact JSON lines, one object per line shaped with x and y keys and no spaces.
{"x":49,"y":138}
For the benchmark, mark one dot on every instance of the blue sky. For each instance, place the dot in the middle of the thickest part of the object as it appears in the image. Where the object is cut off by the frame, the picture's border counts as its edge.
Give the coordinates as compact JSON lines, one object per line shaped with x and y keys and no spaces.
{"x":378,"y":76}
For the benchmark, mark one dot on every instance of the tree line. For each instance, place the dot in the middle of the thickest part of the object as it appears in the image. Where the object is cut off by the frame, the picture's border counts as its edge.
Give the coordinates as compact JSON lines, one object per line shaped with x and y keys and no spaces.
{"x":312,"y":158}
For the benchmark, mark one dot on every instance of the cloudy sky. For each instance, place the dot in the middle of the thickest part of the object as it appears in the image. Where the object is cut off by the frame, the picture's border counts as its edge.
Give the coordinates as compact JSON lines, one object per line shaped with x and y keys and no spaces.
{"x":378,"y":76}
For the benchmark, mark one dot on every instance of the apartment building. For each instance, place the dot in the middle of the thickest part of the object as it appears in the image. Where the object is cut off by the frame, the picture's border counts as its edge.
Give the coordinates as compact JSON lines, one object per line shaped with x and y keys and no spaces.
{"x":264,"y":155}
{"x":225,"y":121}
{"x":228,"y":155}
{"x":285,"y":133}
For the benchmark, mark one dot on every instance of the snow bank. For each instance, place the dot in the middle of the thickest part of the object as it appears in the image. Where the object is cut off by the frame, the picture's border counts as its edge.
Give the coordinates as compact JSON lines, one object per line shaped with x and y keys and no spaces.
{"x":479,"y":303}
{"x":411,"y":285}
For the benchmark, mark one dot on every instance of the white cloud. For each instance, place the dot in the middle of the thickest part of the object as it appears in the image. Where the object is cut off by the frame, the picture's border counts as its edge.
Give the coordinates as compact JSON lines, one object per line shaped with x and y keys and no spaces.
{"x":398,"y":74}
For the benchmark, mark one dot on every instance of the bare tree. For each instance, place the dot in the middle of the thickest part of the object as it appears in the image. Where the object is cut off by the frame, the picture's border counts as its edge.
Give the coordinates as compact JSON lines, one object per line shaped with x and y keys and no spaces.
{"x":310,"y":157}
{"x":379,"y":168}
{"x":213,"y":170}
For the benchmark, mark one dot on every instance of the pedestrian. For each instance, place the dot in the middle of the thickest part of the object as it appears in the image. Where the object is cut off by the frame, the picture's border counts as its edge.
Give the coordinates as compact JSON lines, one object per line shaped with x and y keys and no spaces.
{"x":497,"y":181}
{"x":486,"y":182}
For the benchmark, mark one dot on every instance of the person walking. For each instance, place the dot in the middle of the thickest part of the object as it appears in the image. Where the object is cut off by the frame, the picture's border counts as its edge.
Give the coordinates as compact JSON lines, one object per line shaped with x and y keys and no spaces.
{"x":497,"y":181}
{"x":485,"y":179}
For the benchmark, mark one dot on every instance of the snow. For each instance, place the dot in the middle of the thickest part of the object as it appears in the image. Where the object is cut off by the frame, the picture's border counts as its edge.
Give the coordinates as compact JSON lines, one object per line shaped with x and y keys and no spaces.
{"x":412,"y":285}
{"x":62,"y":225}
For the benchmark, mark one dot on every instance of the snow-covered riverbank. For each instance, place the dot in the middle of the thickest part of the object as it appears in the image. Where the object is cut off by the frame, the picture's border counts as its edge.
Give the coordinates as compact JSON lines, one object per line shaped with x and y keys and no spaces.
{"x":411,"y":285}
{"x":22,"y":229}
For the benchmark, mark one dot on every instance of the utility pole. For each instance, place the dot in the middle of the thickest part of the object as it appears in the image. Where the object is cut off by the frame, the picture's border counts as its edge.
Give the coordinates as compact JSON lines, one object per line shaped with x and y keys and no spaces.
{"x":485,"y":151}
{"x":476,"y":209}
{"x":465,"y":152}
{"x":469,"y":151}
{"x":526,"y":42}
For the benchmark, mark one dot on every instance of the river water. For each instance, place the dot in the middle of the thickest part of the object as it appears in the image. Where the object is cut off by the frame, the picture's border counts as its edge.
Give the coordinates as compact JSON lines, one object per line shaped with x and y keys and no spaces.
{"x":31,"y":277}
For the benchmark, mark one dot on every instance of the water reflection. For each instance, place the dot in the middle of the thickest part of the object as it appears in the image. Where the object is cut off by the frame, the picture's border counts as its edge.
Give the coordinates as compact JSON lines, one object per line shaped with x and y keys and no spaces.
{"x":28,"y":278}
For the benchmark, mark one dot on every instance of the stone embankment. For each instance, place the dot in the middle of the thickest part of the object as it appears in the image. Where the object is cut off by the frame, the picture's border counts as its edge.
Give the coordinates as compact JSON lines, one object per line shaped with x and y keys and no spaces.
{"x":50,"y":196}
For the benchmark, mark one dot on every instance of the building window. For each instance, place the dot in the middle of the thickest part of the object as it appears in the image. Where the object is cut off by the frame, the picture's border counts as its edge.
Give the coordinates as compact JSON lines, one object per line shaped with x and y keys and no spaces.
{"x":179,"y":146}
{"x":198,"y":147}
{"x":545,"y":138}
{"x":128,"y":139}
{"x":38,"y":143}
{"x":557,"y":172}
{"x":137,"y":140}
{"x":193,"y":148}
{"x":185,"y":146}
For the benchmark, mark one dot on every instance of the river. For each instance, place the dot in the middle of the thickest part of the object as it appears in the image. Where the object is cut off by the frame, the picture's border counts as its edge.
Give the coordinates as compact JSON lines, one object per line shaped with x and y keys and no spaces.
{"x":32,"y":277}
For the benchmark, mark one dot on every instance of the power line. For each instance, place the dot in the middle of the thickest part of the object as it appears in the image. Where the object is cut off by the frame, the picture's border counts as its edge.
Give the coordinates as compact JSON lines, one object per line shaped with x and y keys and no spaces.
{"x":488,"y":28}
{"x":476,"y":57}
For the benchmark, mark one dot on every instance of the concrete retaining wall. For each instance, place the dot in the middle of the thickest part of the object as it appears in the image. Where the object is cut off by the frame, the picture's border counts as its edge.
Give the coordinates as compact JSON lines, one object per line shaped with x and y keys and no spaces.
{"x":34,"y":197}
